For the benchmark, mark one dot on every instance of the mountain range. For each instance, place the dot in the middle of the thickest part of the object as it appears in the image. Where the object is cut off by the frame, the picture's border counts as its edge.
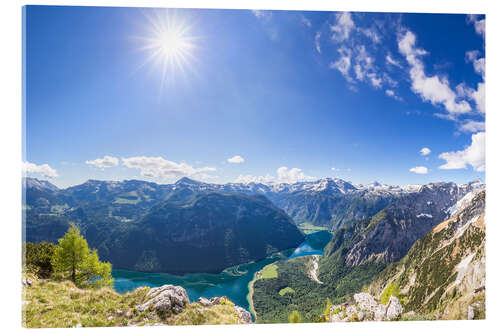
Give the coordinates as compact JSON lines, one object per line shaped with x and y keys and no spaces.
{"x":359,"y":252}
{"x":117,"y":216}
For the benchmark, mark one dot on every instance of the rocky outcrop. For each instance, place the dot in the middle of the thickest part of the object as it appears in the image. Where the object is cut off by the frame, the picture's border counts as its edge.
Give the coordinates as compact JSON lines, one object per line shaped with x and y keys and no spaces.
{"x":167,"y":298}
{"x":212,"y":301}
{"x":244,"y":317}
{"x":366,"y":308}
{"x":26,"y":282}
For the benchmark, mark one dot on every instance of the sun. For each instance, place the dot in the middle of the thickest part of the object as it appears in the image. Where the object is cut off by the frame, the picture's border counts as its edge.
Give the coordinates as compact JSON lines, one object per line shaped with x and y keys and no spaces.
{"x":170,"y":44}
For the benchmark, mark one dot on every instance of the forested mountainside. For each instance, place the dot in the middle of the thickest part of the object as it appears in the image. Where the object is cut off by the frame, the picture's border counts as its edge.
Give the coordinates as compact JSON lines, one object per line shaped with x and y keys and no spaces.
{"x":207,"y":234}
{"x":357,"y":254}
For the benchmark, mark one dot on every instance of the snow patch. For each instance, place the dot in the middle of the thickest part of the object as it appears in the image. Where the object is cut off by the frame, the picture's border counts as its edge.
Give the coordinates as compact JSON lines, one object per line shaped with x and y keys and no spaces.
{"x":424,"y":215}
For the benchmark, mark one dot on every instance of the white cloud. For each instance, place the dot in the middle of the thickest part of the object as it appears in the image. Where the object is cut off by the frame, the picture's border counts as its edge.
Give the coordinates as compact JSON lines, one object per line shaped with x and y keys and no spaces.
{"x":425,"y":151}
{"x":335,"y":169}
{"x":292,"y":175}
{"x":479,"y":25}
{"x":392,"y":93}
{"x":478,"y":96}
{"x":430,"y":88}
{"x":343,"y":27}
{"x":472,"y":126}
{"x":421,"y":170}
{"x":375,"y":81}
{"x":45,"y":170}
{"x":158,"y":167}
{"x":372,"y":34}
{"x":284,"y":175}
{"x":264,"y":15}
{"x":317,"y":38}
{"x":305,"y":21}
{"x":473,"y":155}
{"x":245,"y":179}
{"x":389,"y":60}
{"x":105,"y":162}
{"x":477,"y":63}
{"x":343,"y":64}
{"x":236,"y":159}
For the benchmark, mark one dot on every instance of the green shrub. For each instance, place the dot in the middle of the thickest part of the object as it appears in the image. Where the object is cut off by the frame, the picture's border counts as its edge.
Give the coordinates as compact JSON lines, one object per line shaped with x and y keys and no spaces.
{"x":391,"y":290}
{"x":37,"y":258}
{"x":295,"y":317}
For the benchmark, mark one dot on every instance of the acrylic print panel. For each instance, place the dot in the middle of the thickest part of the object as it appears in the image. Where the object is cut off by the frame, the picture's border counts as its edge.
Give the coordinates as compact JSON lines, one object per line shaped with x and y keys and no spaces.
{"x":208,"y":166}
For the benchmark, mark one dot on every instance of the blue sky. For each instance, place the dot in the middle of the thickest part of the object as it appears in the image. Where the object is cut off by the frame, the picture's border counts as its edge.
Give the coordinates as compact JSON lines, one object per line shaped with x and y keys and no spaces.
{"x":255,"y":95}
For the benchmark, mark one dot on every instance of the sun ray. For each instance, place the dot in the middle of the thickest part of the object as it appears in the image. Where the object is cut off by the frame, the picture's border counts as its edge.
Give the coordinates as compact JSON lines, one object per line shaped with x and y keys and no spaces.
{"x":170,"y":44}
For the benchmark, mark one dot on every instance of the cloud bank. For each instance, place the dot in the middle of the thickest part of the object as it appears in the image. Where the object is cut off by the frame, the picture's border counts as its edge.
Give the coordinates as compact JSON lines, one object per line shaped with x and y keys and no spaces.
{"x":158,"y":167}
{"x":45,"y":170}
{"x":473,"y":155}
{"x":105,"y":162}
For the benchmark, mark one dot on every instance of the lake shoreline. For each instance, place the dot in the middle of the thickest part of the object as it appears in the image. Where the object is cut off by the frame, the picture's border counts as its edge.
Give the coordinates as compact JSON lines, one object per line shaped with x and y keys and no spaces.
{"x":236,"y":283}
{"x":250,"y":296}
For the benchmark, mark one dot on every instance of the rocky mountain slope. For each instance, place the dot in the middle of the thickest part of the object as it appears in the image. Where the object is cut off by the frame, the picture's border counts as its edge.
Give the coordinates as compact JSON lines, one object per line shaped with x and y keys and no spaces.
{"x":388,"y":235}
{"x":443,"y":274}
{"x":359,"y":253}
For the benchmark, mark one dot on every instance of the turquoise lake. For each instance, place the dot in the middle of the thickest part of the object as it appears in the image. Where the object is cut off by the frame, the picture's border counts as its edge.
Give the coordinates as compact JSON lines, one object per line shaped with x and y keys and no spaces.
{"x":232,"y":282}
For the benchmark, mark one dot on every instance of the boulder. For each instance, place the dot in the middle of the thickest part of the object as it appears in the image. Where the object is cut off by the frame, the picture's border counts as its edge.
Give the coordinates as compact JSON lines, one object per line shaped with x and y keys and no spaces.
{"x":244,"y":317}
{"x":470,"y":313}
{"x":351,"y":311}
{"x":204,"y":302}
{"x":379,"y":313}
{"x":394,"y":308}
{"x":166,"y":298}
{"x":366,"y":302}
{"x":27,"y":282}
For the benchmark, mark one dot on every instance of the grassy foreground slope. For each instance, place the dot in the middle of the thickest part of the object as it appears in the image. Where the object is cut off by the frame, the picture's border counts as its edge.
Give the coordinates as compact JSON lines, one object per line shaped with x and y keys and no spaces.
{"x":62,"y":304}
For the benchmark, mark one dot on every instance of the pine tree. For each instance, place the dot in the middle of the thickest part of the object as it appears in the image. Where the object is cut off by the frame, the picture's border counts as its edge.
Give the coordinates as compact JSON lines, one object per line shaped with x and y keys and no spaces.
{"x":72,"y":256}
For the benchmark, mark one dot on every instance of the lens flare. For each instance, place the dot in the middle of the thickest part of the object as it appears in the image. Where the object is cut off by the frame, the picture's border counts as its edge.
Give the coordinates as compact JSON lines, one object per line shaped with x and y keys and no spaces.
{"x":169,"y":43}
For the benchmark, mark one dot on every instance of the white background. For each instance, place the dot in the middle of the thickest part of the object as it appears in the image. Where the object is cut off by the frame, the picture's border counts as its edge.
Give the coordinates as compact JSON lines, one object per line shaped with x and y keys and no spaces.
{"x":11,"y":141}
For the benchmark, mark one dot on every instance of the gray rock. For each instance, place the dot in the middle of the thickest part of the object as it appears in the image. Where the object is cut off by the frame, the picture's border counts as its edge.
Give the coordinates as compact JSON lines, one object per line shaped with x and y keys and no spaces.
{"x":379,"y":313}
{"x":470,"y":313}
{"x":215,"y":300}
{"x":394,"y":308}
{"x":244,"y":317}
{"x":366,"y":302}
{"x":204,"y":302}
{"x":27,"y":282}
{"x":351,"y":311}
{"x":166,"y":298}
